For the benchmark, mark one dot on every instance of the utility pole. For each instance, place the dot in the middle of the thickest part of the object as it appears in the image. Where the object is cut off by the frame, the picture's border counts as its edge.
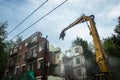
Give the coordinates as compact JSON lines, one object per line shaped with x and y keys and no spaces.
{"x":45,"y":63}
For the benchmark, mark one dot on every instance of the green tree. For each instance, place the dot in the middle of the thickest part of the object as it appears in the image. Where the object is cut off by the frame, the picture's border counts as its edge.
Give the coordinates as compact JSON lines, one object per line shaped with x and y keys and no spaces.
{"x":5,"y":47}
{"x":111,"y":46}
{"x":10,"y":44}
{"x":3,"y":52}
{"x":18,"y":40}
{"x":117,"y":29}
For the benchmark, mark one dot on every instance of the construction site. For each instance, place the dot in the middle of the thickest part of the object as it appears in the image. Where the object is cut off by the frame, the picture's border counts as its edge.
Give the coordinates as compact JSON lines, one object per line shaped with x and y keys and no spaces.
{"x":59,"y":40}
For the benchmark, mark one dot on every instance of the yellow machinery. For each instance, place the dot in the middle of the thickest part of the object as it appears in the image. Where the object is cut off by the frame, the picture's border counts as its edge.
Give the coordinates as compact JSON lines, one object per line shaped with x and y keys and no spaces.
{"x":101,"y":57}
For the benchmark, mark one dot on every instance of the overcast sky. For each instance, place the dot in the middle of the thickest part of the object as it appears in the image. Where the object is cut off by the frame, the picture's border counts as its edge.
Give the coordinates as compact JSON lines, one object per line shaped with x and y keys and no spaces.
{"x":106,"y":13}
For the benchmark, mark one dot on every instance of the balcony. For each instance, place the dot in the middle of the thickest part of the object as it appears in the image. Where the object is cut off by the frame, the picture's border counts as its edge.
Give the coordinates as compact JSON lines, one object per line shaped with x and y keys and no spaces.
{"x":13,"y":53}
{"x":32,"y":41}
{"x":11,"y":64}
{"x":31,"y":44}
{"x":31,"y":57}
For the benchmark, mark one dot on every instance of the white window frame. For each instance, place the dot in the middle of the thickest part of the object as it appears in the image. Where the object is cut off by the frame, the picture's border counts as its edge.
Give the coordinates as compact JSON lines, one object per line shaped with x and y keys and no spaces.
{"x":26,"y":43}
{"x":11,"y":52}
{"x":41,"y":46}
{"x":32,"y":64}
{"x":17,"y":67}
{"x":20,"y":47}
{"x":39,"y":63}
{"x":34,"y":51}
{"x":22,"y":66}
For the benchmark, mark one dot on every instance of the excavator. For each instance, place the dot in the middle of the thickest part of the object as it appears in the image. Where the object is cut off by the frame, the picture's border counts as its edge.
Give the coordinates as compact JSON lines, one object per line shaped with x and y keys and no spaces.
{"x":101,"y":57}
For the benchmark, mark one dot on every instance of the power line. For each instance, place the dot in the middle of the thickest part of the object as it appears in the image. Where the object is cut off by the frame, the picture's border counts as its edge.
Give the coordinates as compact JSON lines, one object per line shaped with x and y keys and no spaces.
{"x":40,"y":19}
{"x":27,"y":17}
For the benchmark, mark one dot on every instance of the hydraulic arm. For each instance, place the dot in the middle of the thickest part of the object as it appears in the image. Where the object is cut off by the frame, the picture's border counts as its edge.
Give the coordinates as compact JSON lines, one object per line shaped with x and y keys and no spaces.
{"x":101,"y":57}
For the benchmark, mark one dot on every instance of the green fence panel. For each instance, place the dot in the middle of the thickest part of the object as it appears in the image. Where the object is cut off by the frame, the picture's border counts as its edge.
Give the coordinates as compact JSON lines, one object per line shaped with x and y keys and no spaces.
{"x":28,"y":76}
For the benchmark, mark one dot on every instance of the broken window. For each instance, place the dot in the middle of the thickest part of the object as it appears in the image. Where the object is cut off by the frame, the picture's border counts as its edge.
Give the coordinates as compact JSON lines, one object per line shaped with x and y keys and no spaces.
{"x":79,"y":72}
{"x":77,"y":50}
{"x":77,"y":60}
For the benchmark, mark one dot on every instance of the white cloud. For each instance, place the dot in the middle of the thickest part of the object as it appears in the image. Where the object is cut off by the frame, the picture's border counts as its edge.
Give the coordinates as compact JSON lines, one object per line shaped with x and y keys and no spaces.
{"x":114,"y":12}
{"x":109,"y":12}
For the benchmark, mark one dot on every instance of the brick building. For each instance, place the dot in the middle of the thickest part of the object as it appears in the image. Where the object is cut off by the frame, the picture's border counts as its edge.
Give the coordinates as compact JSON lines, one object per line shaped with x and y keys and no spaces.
{"x":27,"y":56}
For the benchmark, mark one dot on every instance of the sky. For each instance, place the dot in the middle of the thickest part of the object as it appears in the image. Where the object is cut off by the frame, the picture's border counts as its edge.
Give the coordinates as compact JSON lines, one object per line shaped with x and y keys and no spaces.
{"x":106,"y":13}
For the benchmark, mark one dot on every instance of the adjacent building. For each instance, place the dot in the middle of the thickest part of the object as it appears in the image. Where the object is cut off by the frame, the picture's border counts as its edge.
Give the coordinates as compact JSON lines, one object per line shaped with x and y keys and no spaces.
{"x":74,"y":64}
{"x":54,"y":68}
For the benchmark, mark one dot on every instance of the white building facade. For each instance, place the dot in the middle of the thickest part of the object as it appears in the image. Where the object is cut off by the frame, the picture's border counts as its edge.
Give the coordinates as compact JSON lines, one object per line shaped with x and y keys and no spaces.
{"x":78,"y":62}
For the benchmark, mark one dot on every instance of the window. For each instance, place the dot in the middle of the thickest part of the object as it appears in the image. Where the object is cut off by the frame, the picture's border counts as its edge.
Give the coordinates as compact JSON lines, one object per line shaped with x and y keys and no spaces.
{"x":15,"y":49}
{"x":79,"y":72}
{"x":77,"y":50}
{"x":23,"y":68}
{"x":26,"y":43}
{"x":6,"y":73}
{"x":30,"y":67}
{"x":14,"y":59}
{"x":19,"y":57}
{"x":33,"y":51}
{"x":42,"y":66}
{"x":25,"y":55}
{"x":41,"y":47}
{"x":77,"y":60}
{"x":16,"y":70}
{"x":11,"y":52}
{"x":34,"y":39}
{"x":20,"y":47}
{"x":38,"y":64}
{"x":85,"y":73}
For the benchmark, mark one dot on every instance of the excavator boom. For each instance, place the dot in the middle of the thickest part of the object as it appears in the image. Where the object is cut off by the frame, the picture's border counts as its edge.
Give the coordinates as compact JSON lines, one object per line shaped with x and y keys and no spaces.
{"x":101,"y":57}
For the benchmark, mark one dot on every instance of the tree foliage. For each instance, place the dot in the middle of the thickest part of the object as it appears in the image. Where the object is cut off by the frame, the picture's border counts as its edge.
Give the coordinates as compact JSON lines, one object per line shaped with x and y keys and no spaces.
{"x":112,"y":44}
{"x":18,"y":40}
{"x":112,"y":47}
{"x":5,"y":47}
{"x":117,"y":29}
{"x":3,"y":52}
